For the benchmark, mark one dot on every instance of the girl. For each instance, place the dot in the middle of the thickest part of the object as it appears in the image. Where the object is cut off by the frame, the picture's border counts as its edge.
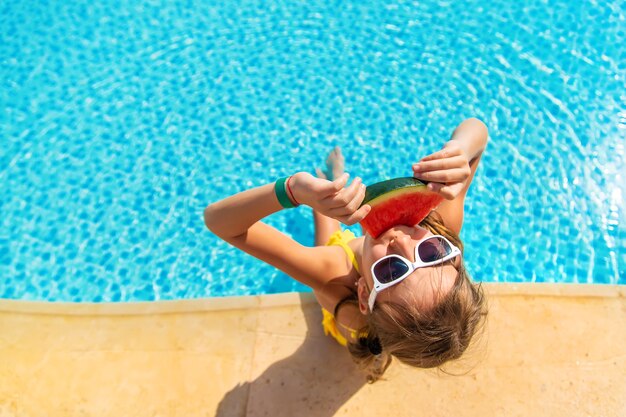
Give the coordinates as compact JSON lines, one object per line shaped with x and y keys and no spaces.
{"x":404,"y":294}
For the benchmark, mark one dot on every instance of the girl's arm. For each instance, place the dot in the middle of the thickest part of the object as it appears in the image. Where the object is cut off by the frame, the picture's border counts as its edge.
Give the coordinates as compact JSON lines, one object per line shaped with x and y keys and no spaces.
{"x":472,"y":135}
{"x":234,"y":215}
{"x":452,"y":169}
{"x":236,"y":219}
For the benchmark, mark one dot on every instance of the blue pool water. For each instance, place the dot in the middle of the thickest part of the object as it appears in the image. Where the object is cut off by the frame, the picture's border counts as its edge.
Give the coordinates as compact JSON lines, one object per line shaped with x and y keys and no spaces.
{"x":121,"y":120}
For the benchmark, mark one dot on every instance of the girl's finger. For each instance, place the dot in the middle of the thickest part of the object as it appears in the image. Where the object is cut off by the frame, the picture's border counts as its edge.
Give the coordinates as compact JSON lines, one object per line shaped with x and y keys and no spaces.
{"x":439,"y":164}
{"x":345,"y":196}
{"x":357,"y":216}
{"x":449,"y":192}
{"x":331,"y":187}
{"x":351,"y":206}
{"x":438,"y":188}
{"x":444,"y":176}
{"x":442,"y":154}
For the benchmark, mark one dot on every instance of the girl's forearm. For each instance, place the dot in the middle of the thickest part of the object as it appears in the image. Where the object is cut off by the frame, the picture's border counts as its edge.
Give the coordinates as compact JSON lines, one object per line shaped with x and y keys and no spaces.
{"x":472,"y":134}
{"x":234,"y":215}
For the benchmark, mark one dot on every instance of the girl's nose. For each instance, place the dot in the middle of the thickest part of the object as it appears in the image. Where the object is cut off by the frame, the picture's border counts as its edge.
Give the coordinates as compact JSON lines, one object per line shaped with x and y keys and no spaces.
{"x":402,"y":244}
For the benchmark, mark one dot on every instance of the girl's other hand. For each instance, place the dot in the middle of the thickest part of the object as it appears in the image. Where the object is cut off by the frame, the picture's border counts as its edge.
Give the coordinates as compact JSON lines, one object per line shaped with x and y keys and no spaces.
{"x":446,"y":170}
{"x":331,"y":198}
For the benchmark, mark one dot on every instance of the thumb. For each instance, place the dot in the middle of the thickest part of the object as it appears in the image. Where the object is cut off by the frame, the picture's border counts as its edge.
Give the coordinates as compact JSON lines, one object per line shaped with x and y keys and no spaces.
{"x":434,"y":186}
{"x":339,"y":183}
{"x":448,"y":192}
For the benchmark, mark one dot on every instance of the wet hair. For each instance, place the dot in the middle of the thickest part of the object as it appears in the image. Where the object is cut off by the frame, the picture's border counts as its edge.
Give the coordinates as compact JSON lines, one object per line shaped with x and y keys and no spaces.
{"x":424,"y":339}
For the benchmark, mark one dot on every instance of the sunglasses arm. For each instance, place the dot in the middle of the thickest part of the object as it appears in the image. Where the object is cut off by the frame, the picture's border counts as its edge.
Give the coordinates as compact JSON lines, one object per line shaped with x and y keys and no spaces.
{"x":372,"y":299}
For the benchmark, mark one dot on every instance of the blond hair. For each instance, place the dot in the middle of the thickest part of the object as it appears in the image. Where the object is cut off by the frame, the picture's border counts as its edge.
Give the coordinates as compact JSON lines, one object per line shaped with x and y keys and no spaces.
{"x":424,"y":339}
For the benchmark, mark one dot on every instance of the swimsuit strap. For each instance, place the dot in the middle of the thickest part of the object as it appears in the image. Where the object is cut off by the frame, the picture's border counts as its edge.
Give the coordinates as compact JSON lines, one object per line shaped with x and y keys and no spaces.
{"x":341,"y":239}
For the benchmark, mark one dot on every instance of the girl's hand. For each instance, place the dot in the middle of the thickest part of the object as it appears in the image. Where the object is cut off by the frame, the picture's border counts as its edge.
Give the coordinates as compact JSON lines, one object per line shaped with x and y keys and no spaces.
{"x":447,"y":170}
{"x":331,"y":198}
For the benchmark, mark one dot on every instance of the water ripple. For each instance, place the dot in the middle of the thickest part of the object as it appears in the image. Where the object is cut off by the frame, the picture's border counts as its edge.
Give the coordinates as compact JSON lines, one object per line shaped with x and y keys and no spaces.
{"x":122,"y":121}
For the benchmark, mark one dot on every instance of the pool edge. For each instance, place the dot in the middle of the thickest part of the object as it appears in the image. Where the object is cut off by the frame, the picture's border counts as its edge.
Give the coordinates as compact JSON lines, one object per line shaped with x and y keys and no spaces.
{"x":277,"y":300}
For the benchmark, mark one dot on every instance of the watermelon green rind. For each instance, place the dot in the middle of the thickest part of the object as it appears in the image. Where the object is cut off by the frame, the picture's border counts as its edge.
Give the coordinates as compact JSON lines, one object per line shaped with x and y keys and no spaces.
{"x":394,"y":185}
{"x":404,"y":201}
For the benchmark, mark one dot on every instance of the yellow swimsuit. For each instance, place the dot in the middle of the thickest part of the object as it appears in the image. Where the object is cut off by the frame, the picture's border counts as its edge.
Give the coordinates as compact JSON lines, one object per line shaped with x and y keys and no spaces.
{"x":340,"y":238}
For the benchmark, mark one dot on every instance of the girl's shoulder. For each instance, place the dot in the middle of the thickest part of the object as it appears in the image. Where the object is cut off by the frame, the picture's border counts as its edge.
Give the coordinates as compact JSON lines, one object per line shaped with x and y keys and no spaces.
{"x":343,"y":284}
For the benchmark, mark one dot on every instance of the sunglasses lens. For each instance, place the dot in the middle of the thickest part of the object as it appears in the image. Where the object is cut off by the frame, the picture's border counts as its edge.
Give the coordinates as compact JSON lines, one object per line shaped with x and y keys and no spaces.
{"x":433,"y":249}
{"x":390,"y":269}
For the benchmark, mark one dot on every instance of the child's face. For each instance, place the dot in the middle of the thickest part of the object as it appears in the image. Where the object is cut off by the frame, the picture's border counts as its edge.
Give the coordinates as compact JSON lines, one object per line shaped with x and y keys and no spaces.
{"x":423,"y":288}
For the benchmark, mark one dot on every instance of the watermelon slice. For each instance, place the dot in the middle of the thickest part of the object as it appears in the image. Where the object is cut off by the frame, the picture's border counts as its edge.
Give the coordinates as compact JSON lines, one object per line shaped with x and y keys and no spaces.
{"x":400,"y":201}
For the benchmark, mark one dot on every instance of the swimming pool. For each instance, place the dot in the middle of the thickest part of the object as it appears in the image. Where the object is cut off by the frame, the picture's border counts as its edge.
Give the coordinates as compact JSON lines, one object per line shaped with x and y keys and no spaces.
{"x":121,"y":121}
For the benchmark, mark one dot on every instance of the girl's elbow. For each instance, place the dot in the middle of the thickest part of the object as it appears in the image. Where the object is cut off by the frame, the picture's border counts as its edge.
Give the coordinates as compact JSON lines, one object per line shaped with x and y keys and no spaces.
{"x":485,"y":129}
{"x":208,"y":218}
{"x":479,"y":124}
{"x":480,"y":130}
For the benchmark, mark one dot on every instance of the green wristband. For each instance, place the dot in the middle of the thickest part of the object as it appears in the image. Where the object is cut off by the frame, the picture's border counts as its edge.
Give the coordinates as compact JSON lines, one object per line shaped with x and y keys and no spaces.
{"x":281,"y":193}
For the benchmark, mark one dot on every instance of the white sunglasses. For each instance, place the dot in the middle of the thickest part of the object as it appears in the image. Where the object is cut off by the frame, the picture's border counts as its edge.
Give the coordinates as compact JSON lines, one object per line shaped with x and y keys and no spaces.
{"x":392,"y":269}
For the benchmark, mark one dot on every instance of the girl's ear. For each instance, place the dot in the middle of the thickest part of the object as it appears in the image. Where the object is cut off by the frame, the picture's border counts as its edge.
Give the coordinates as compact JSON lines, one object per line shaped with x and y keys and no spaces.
{"x":363,"y":296}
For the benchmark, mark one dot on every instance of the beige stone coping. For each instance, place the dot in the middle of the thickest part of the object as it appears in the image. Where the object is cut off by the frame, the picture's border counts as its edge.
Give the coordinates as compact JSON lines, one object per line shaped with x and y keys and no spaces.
{"x":547,"y":350}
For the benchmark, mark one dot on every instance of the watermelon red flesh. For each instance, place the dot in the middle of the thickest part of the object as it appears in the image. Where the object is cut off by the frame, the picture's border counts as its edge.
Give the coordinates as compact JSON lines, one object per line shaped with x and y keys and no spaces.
{"x":402,"y":201}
